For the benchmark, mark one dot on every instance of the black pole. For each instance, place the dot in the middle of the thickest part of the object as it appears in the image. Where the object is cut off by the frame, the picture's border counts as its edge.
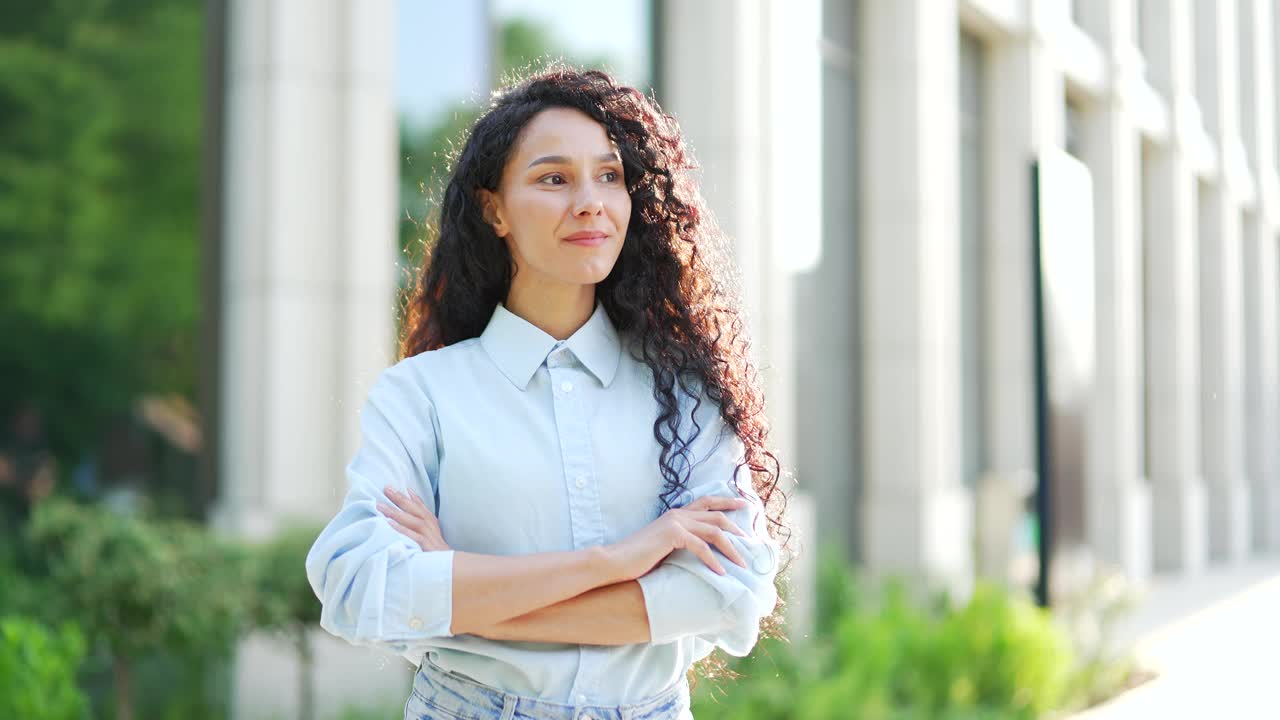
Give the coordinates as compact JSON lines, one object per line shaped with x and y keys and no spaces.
{"x":1043,"y":450}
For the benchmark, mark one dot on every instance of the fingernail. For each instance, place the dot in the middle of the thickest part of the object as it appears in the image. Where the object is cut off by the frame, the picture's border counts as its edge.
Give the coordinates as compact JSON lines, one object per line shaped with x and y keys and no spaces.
{"x":382,"y":508}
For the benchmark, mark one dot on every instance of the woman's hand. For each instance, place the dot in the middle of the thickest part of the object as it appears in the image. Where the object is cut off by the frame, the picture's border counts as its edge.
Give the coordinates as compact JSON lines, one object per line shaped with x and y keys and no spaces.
{"x":411,"y":517}
{"x":695,"y":527}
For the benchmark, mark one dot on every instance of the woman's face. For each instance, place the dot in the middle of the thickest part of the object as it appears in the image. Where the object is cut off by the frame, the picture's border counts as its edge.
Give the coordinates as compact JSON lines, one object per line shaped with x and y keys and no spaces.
{"x":562,"y":205}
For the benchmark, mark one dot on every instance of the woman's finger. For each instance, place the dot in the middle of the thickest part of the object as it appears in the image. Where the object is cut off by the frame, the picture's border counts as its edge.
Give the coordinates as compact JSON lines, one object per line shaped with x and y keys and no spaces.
{"x":410,"y":503}
{"x":715,"y":536}
{"x":413,"y":496}
{"x":715,"y":517}
{"x":702,"y":550}
{"x":403,"y":517}
{"x":717,"y":502}
{"x":422,"y":544}
{"x":405,"y":500}
{"x":723,"y":521}
{"x":422,"y":515}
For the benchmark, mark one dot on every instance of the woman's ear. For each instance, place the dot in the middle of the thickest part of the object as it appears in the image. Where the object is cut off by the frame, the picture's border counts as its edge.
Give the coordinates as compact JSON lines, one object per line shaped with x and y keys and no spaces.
{"x":491,"y":211}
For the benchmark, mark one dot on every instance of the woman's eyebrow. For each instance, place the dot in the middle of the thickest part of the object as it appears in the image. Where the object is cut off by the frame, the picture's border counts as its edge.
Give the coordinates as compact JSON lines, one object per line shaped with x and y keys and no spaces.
{"x":562,"y":160}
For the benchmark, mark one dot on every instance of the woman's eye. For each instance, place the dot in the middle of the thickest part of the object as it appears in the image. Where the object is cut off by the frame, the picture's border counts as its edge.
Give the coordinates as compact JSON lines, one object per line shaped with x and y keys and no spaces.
{"x":611,"y":176}
{"x":553,"y":177}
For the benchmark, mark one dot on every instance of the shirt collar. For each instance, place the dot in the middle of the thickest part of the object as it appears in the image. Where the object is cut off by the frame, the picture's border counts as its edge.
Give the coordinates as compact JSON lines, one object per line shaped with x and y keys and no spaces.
{"x":519,"y":347}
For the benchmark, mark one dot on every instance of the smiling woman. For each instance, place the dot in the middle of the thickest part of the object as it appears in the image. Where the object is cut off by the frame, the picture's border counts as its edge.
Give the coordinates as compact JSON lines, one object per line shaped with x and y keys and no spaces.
{"x":562,"y":207}
{"x":564,"y":496}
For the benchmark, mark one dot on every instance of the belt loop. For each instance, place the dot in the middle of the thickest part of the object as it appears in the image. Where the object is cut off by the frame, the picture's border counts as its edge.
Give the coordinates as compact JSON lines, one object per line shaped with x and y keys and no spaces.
{"x":508,"y":706}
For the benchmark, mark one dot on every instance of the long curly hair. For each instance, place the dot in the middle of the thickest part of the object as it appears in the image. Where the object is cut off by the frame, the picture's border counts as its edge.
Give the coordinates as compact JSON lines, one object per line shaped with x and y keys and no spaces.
{"x":670,"y":292}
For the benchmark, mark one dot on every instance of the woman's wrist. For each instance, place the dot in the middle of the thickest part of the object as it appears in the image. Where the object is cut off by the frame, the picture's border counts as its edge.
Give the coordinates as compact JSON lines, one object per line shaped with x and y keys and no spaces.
{"x":605,"y":565}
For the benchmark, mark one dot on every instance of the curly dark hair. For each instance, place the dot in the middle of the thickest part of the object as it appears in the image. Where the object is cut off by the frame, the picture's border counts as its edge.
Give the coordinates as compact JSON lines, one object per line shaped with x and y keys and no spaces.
{"x":669,"y":291}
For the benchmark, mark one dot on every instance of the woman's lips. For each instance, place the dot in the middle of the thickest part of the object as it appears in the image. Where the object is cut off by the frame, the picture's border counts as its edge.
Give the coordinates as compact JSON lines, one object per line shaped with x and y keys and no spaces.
{"x":587,"y":239}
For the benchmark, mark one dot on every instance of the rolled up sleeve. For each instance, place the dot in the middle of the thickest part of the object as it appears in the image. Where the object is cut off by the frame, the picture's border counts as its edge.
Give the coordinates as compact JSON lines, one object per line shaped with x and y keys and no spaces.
{"x":375,"y":585}
{"x":683,"y":597}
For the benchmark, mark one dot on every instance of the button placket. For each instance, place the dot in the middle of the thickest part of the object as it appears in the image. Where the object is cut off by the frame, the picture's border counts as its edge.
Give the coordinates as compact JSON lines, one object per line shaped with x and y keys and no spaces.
{"x":573,"y":429}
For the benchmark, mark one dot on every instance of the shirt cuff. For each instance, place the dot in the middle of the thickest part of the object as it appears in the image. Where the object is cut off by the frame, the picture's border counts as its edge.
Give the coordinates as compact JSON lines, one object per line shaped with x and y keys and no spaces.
{"x":431,"y":594}
{"x":678,"y":604}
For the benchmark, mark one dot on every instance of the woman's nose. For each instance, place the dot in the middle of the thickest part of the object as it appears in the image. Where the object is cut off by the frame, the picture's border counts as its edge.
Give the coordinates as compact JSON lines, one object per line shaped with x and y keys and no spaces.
{"x":587,"y":201}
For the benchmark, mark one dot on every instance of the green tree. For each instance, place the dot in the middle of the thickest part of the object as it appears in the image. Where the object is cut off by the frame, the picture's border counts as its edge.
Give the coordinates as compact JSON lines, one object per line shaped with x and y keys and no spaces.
{"x":140,"y":586}
{"x":100,"y":130}
{"x":286,"y":604}
{"x":38,"y":671}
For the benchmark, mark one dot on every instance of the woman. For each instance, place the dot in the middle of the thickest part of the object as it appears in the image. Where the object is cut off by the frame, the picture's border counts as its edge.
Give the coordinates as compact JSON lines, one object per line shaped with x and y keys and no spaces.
{"x":546,"y":513}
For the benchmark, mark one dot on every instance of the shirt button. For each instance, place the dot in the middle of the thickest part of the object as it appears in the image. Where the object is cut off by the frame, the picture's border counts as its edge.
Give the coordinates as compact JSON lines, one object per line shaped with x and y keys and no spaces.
{"x":415,"y":623}
{"x":582,"y":700}
{"x":581,"y":482}
{"x":566,"y":386}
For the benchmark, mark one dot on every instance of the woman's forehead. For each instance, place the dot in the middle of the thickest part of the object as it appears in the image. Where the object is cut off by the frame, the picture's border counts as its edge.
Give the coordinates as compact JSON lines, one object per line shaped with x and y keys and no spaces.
{"x":563,"y":132}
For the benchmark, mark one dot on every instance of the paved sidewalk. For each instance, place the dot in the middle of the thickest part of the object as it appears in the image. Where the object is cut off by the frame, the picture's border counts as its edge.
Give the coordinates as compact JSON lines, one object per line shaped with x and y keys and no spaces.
{"x":1214,"y":642}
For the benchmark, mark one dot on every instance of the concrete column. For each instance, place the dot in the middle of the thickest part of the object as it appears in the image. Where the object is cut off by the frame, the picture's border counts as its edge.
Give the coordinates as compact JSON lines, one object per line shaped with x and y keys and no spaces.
{"x":1118,"y":498}
{"x":718,"y":86}
{"x":310,"y":251}
{"x":1025,"y":110}
{"x":828,"y":453}
{"x":310,"y":267}
{"x":1221,"y":326}
{"x":1172,"y":303}
{"x":1261,"y":323}
{"x":1262,"y":386}
{"x":917,"y":514}
{"x":713,"y":85}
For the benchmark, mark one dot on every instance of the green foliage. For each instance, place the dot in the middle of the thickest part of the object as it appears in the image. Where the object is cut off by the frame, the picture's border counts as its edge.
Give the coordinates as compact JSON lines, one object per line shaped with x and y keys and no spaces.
{"x":898,"y":656}
{"x":141,"y":585}
{"x":163,"y":600}
{"x":285,"y":600}
{"x":20,"y":593}
{"x":100,"y":137}
{"x":38,"y":671}
{"x":390,"y":712}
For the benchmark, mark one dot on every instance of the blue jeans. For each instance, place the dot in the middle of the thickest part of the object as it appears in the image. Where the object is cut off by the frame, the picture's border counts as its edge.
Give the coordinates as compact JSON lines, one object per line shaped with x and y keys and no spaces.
{"x":442,"y":695}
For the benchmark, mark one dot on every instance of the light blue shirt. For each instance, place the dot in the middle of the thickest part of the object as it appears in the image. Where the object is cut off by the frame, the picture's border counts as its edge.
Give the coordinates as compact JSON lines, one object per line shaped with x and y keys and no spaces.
{"x":524,"y":444}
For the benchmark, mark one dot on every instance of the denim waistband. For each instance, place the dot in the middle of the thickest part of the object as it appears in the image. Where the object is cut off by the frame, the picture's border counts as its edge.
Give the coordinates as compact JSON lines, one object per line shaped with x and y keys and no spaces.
{"x":462,"y":697}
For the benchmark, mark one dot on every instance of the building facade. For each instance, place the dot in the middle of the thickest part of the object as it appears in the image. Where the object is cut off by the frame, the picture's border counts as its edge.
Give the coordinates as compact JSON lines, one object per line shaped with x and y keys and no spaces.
{"x":874,"y":163}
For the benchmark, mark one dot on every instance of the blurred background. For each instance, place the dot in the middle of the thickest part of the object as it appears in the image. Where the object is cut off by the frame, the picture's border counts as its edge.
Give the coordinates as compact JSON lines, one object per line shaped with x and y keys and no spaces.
{"x":1010,"y":268}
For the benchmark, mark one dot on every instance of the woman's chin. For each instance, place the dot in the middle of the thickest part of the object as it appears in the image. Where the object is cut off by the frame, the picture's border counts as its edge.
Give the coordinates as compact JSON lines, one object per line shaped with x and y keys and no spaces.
{"x":592,"y":275}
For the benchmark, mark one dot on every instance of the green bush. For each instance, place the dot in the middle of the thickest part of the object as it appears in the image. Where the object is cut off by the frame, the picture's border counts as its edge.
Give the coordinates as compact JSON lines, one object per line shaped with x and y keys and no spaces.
{"x":38,"y":671}
{"x":140,"y":586}
{"x":897,"y":656}
{"x":285,"y":603}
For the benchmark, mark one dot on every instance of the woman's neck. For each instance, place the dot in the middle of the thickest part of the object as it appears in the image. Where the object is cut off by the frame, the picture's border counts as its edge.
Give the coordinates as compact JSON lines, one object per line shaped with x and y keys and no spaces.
{"x":557,"y":313}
